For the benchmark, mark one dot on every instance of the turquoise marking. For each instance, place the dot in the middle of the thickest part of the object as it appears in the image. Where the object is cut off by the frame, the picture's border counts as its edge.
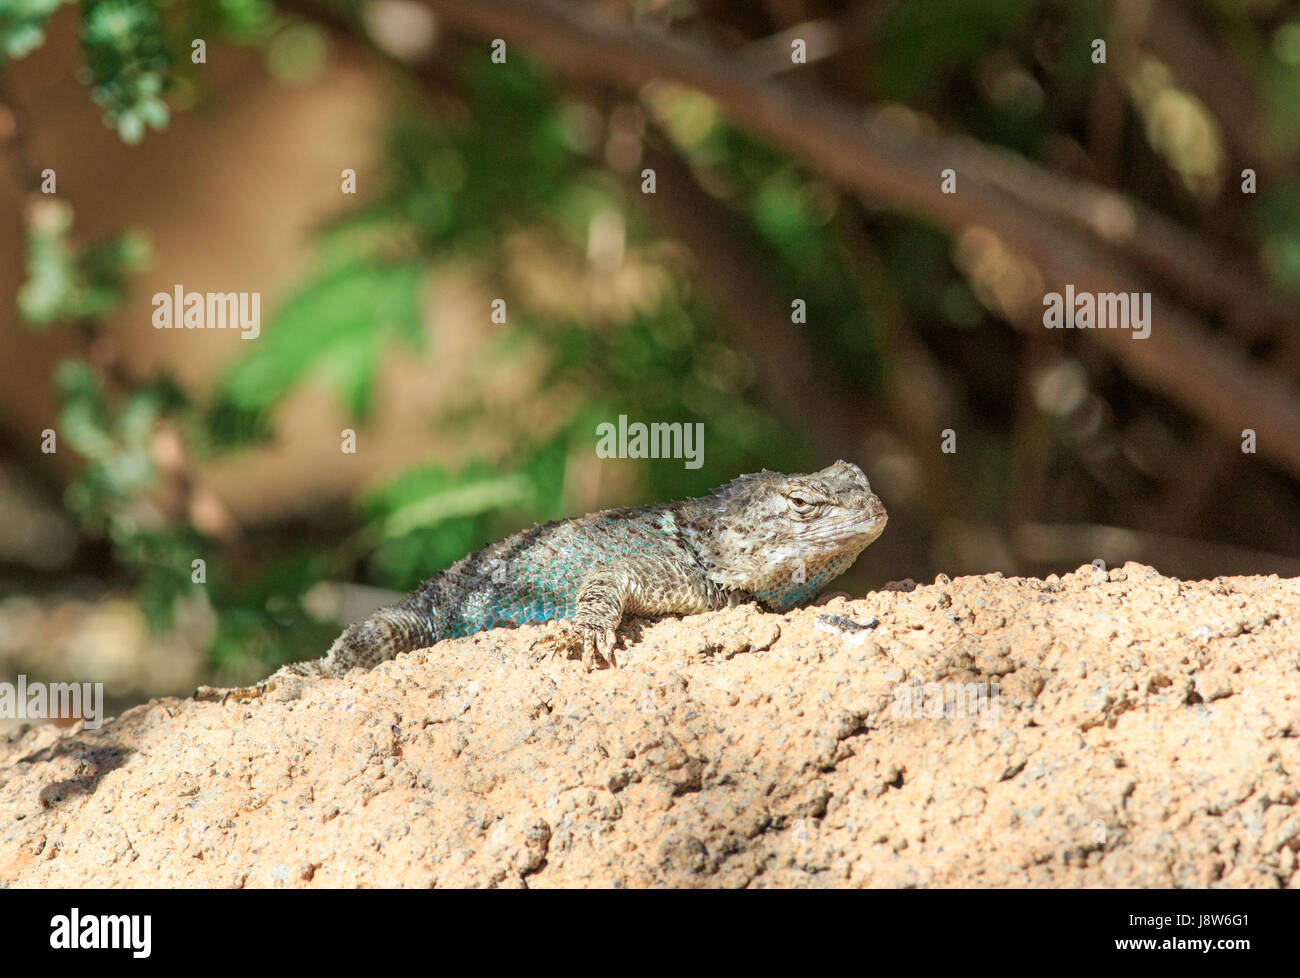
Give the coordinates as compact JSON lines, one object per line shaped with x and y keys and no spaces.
{"x":785,"y":592}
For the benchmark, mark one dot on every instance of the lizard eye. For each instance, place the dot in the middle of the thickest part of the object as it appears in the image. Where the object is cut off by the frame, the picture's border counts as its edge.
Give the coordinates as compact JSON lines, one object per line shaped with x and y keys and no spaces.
{"x":800,"y":504}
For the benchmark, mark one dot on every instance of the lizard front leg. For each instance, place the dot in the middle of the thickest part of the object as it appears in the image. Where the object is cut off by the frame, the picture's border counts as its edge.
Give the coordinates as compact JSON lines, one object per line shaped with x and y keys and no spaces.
{"x":641,"y":585}
{"x":601,"y":601}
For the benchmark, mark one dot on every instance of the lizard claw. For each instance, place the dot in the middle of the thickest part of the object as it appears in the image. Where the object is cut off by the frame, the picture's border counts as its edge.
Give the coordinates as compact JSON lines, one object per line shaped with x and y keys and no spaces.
{"x":598,"y":644}
{"x":557,"y":643}
{"x":592,"y":641}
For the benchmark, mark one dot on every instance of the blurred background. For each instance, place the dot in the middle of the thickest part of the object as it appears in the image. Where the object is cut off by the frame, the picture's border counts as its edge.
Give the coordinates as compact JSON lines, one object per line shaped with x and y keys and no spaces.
{"x":805,"y":280}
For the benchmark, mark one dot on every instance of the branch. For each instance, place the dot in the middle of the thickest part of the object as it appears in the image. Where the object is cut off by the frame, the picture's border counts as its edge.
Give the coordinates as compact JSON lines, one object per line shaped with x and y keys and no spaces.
{"x":1209,"y":379}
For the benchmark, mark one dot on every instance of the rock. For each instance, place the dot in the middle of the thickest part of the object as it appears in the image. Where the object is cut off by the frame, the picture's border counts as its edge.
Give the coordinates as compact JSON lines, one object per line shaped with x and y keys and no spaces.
{"x":991,"y":732}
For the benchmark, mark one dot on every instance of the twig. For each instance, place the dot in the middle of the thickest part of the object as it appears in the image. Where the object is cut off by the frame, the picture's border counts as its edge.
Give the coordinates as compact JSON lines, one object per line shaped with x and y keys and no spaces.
{"x":1206,"y":377}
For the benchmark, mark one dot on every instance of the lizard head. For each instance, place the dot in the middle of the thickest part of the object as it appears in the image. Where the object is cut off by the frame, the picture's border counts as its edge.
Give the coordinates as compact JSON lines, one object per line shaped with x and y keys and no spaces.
{"x":783,"y":538}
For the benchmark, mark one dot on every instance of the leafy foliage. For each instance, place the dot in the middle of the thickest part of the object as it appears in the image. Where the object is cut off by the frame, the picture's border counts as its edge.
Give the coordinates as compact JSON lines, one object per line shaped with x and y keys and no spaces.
{"x":338,"y":322}
{"x":114,"y":441}
{"x":430,"y":517}
{"x":69,"y":283}
{"x":236,"y":19}
{"x":22,"y":26}
{"x":128,"y":63}
{"x":1278,"y":218}
{"x":947,"y":35}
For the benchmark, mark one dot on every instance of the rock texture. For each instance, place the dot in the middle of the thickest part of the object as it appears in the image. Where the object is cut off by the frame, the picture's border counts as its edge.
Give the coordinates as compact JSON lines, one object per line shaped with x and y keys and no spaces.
{"x":1142,"y":732}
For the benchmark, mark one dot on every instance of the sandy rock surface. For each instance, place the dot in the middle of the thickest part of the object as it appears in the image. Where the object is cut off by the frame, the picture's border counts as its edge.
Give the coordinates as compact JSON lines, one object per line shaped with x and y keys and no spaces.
{"x":1142,"y":732}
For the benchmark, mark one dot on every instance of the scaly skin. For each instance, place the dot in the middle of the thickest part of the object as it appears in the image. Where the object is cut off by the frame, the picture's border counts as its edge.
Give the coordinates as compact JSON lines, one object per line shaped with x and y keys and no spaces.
{"x":766,"y":537}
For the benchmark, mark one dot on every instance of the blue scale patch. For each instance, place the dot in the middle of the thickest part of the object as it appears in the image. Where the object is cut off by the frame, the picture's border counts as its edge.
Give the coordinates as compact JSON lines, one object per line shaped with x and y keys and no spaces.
{"x":547,"y":589}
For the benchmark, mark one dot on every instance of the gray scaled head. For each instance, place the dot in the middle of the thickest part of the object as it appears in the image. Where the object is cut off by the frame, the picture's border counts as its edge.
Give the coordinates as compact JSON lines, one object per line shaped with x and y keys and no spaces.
{"x":783,"y":538}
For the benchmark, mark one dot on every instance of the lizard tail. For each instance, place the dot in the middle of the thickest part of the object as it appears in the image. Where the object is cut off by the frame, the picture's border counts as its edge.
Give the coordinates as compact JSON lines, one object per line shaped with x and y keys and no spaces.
{"x":385,"y":634}
{"x":388,"y":632}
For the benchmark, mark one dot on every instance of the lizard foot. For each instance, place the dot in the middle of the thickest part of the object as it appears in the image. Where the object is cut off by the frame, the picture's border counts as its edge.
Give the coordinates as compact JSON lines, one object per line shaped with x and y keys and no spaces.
{"x":592,"y":641}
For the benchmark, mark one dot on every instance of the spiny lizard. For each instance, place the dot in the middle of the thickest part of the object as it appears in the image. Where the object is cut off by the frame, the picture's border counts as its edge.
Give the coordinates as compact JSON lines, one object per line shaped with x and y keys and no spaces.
{"x":766,"y":537}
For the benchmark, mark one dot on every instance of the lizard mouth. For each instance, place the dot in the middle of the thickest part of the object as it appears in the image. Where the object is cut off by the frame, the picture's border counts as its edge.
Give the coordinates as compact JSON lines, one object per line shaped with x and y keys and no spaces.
{"x":872,"y":525}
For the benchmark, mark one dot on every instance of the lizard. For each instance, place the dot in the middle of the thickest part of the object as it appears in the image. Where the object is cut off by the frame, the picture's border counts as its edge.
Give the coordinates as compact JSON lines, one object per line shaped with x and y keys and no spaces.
{"x":765,"y":537}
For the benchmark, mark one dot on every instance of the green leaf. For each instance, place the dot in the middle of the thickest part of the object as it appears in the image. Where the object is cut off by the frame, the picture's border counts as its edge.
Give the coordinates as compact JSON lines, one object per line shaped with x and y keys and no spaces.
{"x":22,"y":26}
{"x":128,"y":61}
{"x":921,"y":44}
{"x":66,"y":282}
{"x":339,"y":322}
{"x":471,"y":498}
